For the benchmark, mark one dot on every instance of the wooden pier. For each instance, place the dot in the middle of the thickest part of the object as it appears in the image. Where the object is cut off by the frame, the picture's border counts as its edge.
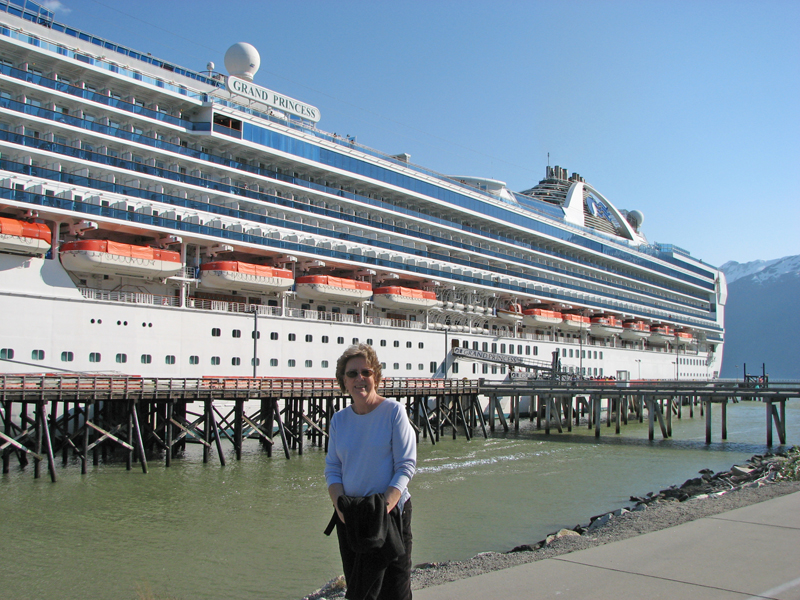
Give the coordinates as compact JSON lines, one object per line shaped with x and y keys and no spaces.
{"x":92,"y":416}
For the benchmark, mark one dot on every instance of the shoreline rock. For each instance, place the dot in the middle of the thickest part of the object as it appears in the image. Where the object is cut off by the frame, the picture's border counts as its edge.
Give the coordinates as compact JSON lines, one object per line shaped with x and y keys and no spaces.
{"x":764,"y":476}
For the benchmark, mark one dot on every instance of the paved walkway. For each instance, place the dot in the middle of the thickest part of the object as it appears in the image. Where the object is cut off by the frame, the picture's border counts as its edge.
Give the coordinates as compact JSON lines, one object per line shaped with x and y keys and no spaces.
{"x":745,"y":554}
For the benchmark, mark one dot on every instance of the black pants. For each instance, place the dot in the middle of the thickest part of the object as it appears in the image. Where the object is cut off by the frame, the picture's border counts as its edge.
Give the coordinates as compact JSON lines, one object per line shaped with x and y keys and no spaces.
{"x":396,"y":582}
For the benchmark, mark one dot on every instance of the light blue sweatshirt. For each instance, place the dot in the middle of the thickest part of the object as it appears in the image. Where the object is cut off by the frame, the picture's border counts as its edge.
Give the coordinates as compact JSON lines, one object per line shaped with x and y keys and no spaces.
{"x":368,"y":453}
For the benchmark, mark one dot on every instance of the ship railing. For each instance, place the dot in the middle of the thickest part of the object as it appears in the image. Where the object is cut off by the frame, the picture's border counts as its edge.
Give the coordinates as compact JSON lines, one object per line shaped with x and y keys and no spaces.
{"x":129,"y":297}
{"x":318,"y":315}
{"x":402,"y":323}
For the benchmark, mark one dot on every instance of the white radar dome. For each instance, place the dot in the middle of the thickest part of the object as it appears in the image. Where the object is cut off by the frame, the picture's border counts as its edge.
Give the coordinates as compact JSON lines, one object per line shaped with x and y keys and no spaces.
{"x":635,"y":218}
{"x":242,"y":60}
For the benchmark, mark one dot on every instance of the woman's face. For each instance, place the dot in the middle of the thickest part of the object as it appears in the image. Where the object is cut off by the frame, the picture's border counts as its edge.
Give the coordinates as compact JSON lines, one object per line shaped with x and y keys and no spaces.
{"x":359,"y":387}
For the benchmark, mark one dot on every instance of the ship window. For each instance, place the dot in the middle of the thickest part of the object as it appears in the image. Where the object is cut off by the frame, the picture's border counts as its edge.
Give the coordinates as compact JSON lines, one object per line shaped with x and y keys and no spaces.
{"x":292,"y":337}
{"x":324,"y":339}
{"x":215,"y":360}
{"x":305,"y":307}
{"x":503,"y":370}
{"x":273,"y":335}
{"x":369,"y":341}
{"x":583,"y":354}
{"x":536,"y":351}
{"x":236,"y":361}
{"x":408,"y":344}
{"x":408,"y":366}
{"x":67,"y":356}
{"x":519,"y":348}
{"x":169,"y":359}
{"x":511,"y":348}
{"x":494,"y":347}
{"x":336,"y":310}
{"x":502,"y":348}
{"x":485,"y":369}
{"x":257,"y":362}
{"x":273,"y":362}
{"x":309,"y":337}
{"x":194,"y":360}
{"x":237,"y":333}
{"x":494,"y":369}
{"x":433,"y":366}
{"x":321,"y":308}
{"x":396,"y":366}
{"x":355,"y":341}
{"x":474,"y":345}
{"x":351,"y":311}
{"x":94,"y":357}
{"x":309,"y":364}
{"x":485,"y":346}
{"x":340,"y":340}
{"x":292,"y":362}
{"x":421,"y":345}
{"x":121,"y":358}
{"x":455,"y":367}
{"x":383,"y":342}
{"x":146,"y":359}
{"x":215,"y":332}
{"x":601,"y":355}
{"x":256,"y":335}
{"x":420,"y":367}
{"x":397,"y":343}
{"x":324,"y":364}
{"x":37,"y":355}
{"x":595,"y":353}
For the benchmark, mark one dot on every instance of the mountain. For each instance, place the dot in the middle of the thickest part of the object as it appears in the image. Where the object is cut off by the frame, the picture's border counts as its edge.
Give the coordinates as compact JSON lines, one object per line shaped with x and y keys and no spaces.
{"x":762,"y":320}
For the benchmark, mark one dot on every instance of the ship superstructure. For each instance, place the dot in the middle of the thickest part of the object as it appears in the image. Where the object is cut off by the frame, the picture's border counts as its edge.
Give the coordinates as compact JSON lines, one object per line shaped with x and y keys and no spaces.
{"x":160,"y":221}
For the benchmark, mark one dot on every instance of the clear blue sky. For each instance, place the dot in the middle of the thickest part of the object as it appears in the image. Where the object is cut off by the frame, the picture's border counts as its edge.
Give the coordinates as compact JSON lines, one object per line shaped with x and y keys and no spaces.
{"x":686,"y":110}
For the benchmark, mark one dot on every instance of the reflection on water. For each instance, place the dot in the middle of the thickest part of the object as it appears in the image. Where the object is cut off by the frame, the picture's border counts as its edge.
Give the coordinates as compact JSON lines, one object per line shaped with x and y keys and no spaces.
{"x":253,"y":529}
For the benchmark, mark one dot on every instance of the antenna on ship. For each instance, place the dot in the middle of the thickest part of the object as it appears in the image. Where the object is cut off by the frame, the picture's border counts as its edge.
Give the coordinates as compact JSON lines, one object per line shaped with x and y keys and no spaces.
{"x":548,"y":160}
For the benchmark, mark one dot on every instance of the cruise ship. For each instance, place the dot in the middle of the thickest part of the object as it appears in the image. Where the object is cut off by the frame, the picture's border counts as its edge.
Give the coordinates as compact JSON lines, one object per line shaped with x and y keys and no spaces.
{"x":159,"y":221}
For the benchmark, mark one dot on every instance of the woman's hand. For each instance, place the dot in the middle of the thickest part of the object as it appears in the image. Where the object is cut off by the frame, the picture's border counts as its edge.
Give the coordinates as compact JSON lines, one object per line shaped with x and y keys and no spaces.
{"x":392,"y":495}
{"x":335,"y":490}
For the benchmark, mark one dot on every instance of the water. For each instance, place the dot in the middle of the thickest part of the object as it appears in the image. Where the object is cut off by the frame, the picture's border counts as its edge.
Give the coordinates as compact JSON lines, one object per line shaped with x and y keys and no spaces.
{"x":253,"y":530}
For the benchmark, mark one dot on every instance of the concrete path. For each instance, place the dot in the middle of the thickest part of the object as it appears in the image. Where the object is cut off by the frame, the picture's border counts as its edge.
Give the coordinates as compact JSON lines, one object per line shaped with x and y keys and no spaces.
{"x":745,"y":554}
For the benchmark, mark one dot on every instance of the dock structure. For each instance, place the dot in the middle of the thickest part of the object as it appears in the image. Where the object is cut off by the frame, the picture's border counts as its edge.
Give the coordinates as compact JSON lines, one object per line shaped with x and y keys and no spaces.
{"x":562,"y":402}
{"x":91,"y":416}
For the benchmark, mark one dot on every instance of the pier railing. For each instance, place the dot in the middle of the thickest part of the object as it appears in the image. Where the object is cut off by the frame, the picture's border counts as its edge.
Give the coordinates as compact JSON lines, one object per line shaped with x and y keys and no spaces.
{"x":81,"y":414}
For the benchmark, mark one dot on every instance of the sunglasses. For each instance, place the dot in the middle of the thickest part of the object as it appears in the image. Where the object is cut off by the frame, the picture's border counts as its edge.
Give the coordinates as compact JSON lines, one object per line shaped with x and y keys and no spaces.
{"x":363,"y":372}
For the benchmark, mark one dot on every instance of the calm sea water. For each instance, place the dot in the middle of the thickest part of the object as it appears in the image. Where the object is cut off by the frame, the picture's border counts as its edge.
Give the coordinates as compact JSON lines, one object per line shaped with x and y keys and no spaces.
{"x":253,"y":529}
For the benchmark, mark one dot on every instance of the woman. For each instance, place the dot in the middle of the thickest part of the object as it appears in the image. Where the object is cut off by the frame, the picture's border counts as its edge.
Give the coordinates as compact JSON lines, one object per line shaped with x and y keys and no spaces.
{"x":372,"y":450}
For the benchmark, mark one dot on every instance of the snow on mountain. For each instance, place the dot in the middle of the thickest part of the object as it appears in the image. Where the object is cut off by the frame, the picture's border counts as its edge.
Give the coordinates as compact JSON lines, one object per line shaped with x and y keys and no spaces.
{"x":761,"y":270}
{"x":761,"y":320}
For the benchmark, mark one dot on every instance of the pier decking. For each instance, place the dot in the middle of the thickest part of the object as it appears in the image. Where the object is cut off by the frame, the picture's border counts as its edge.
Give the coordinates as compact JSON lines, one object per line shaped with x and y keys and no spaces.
{"x":90,"y":416}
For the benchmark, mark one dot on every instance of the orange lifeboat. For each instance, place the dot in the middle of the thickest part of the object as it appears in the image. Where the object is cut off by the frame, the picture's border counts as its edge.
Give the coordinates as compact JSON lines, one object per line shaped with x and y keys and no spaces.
{"x":404,"y":298}
{"x":513,"y":313}
{"x":325,"y":287}
{"x":635,"y":330}
{"x":605,"y":326}
{"x":105,"y":256}
{"x":540,"y":317}
{"x":235,"y":275}
{"x":574,"y":322}
{"x":661,"y":334}
{"x":21,"y":237}
{"x":684,"y":338}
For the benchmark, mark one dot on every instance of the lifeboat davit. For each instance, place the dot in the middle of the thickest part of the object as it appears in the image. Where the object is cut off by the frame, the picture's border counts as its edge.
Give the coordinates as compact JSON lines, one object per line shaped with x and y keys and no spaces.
{"x":105,"y":256}
{"x":574,"y":322}
{"x":404,"y":298}
{"x":325,"y":287}
{"x":635,"y":330}
{"x":660,"y":335}
{"x":539,"y":317}
{"x":235,"y":275}
{"x":21,"y":237}
{"x":605,"y":326}
{"x":513,"y":313}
